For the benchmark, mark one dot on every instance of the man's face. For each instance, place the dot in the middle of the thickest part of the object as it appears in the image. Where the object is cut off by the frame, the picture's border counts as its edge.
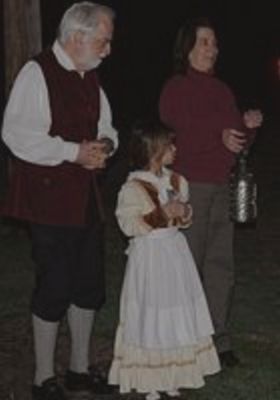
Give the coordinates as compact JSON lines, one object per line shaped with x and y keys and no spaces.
{"x":204,"y":53}
{"x":95,"y":47}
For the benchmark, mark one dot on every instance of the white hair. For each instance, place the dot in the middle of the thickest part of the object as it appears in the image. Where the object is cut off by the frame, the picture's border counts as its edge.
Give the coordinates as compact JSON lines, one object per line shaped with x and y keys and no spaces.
{"x":83,"y":17}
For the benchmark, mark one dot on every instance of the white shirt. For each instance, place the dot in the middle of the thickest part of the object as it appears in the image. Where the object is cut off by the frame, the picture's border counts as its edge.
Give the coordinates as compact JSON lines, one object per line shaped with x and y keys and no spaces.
{"x":27,"y":118}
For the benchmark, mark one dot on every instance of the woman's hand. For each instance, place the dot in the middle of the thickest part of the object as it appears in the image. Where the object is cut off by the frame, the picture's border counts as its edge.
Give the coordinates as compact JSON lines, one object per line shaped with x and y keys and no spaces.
{"x":253,"y":119}
{"x":234,"y":140}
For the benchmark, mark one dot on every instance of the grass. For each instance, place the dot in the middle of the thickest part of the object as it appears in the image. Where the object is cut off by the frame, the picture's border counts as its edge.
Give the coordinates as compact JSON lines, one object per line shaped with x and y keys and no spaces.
{"x":255,"y":317}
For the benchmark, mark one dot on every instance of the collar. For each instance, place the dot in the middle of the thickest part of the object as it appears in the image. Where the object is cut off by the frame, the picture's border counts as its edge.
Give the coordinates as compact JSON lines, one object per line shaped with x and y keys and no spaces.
{"x":199,"y":74}
{"x":62,"y":57}
{"x":161,"y":183}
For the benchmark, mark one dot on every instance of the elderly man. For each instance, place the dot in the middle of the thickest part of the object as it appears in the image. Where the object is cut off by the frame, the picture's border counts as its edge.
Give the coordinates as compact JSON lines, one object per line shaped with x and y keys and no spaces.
{"x":58,"y":126}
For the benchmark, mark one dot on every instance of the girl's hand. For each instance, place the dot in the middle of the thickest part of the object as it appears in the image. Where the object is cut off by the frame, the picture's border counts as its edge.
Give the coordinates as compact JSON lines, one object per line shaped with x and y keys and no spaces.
{"x":174,"y":209}
{"x":188,"y":211}
{"x":168,"y":210}
{"x":187,"y":218}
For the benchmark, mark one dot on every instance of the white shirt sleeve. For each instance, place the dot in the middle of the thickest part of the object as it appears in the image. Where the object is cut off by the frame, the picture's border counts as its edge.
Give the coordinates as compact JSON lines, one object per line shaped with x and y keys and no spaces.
{"x":105,"y":128}
{"x":27,"y":122}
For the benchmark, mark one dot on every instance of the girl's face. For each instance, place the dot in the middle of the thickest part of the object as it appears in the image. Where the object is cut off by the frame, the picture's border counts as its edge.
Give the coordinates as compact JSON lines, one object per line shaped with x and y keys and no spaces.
{"x":169,"y":155}
{"x":165,"y":156}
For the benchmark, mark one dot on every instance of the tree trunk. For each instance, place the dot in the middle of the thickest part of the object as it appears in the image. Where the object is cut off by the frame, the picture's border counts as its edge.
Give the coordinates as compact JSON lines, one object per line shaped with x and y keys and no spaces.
{"x":22,"y":35}
{"x":22,"y":40}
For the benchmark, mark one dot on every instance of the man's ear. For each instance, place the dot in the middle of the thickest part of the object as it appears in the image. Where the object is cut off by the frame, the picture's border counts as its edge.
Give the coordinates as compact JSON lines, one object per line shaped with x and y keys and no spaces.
{"x":78,"y":38}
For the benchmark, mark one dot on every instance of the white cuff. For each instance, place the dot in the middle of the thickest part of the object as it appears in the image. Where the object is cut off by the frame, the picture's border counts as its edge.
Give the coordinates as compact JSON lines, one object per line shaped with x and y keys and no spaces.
{"x":71,"y":151}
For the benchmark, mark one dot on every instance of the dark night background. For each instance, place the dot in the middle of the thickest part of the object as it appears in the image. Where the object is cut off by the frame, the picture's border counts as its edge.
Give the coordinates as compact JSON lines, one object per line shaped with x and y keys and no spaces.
{"x":249,"y":40}
{"x":248,"y":33}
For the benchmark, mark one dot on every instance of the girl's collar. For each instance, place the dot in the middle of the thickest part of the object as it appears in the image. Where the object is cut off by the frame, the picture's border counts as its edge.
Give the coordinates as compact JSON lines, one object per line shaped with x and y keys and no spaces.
{"x":150,"y":176}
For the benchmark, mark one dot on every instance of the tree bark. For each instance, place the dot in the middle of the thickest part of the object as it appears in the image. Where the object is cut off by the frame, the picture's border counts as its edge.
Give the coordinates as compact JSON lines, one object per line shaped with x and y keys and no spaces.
{"x":22,"y":40}
{"x":22,"y":35}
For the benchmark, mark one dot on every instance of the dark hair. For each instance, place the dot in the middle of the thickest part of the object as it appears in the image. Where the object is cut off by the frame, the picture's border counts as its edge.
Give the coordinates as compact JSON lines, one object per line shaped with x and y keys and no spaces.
{"x":148,"y":139}
{"x":185,"y":41}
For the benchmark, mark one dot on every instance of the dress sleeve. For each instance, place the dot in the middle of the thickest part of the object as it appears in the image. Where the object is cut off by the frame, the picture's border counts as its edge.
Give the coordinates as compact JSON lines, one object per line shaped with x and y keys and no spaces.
{"x":130,"y":210}
{"x":185,"y":198}
{"x":184,"y":189}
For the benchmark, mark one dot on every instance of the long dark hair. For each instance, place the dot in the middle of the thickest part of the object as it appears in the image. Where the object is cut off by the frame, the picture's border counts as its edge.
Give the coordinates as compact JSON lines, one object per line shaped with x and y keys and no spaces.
{"x":185,"y":41}
{"x":148,"y":139}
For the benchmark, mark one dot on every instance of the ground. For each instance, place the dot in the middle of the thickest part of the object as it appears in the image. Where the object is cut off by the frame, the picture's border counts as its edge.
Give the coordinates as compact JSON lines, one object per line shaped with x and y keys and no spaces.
{"x":256,"y":312}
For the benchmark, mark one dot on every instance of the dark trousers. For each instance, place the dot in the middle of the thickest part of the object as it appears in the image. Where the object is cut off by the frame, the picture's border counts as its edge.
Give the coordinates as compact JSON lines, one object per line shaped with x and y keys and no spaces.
{"x":211,"y":240}
{"x":69,"y":269}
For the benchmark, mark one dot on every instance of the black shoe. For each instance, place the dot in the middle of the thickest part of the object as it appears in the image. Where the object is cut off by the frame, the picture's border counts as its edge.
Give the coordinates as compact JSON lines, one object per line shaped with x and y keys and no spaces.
{"x":228,"y":359}
{"x":83,"y":382}
{"x":49,"y":390}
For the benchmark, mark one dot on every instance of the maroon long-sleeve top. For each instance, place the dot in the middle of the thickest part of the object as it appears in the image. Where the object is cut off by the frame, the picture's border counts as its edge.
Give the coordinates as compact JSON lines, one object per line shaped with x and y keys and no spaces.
{"x":199,"y":107}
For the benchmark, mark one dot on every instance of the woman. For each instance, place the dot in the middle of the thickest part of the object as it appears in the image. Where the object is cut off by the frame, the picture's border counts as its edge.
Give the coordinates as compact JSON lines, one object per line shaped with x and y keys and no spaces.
{"x":209,"y":132}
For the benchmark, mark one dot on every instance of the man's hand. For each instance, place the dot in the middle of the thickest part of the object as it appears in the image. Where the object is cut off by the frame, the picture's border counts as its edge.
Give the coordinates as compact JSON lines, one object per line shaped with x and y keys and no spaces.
{"x":253,"y":119}
{"x":108,"y":144}
{"x":91,"y":155}
{"x":234,"y":140}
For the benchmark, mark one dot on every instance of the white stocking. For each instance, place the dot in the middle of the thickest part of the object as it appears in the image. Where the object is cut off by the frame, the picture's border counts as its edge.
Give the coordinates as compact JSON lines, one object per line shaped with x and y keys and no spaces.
{"x":45,"y":334}
{"x":80,"y":323}
{"x":173,"y":393}
{"x":153,"y":396}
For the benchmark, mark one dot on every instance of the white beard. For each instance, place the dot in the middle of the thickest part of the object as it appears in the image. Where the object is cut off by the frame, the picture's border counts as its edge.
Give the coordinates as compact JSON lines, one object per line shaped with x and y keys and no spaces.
{"x":93,"y":64}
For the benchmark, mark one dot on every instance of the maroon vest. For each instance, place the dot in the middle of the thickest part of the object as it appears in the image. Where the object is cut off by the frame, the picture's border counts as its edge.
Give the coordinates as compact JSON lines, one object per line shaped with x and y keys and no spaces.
{"x":58,"y":195}
{"x":156,"y":218}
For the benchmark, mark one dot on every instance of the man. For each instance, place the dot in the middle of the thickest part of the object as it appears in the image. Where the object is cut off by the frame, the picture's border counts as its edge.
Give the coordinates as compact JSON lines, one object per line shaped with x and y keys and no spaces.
{"x":210,"y":132}
{"x":58,"y":126}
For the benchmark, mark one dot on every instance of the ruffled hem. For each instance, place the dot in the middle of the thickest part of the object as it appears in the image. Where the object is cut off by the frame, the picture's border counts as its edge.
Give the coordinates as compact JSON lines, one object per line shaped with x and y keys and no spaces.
{"x":162,"y":370}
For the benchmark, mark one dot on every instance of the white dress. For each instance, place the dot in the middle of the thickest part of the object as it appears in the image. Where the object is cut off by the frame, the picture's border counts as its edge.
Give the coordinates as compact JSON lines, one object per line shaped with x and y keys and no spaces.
{"x":163,"y":340}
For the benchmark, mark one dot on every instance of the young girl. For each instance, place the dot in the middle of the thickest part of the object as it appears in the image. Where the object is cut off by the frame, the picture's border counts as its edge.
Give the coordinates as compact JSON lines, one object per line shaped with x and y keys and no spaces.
{"x":163,"y":340}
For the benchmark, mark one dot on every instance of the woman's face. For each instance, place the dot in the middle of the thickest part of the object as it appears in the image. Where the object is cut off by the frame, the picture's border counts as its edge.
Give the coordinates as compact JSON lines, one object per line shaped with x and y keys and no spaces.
{"x":204,"y":53}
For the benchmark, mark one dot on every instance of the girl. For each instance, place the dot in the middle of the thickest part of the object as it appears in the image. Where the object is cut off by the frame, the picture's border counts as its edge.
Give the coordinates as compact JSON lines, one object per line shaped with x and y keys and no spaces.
{"x":163,"y":340}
